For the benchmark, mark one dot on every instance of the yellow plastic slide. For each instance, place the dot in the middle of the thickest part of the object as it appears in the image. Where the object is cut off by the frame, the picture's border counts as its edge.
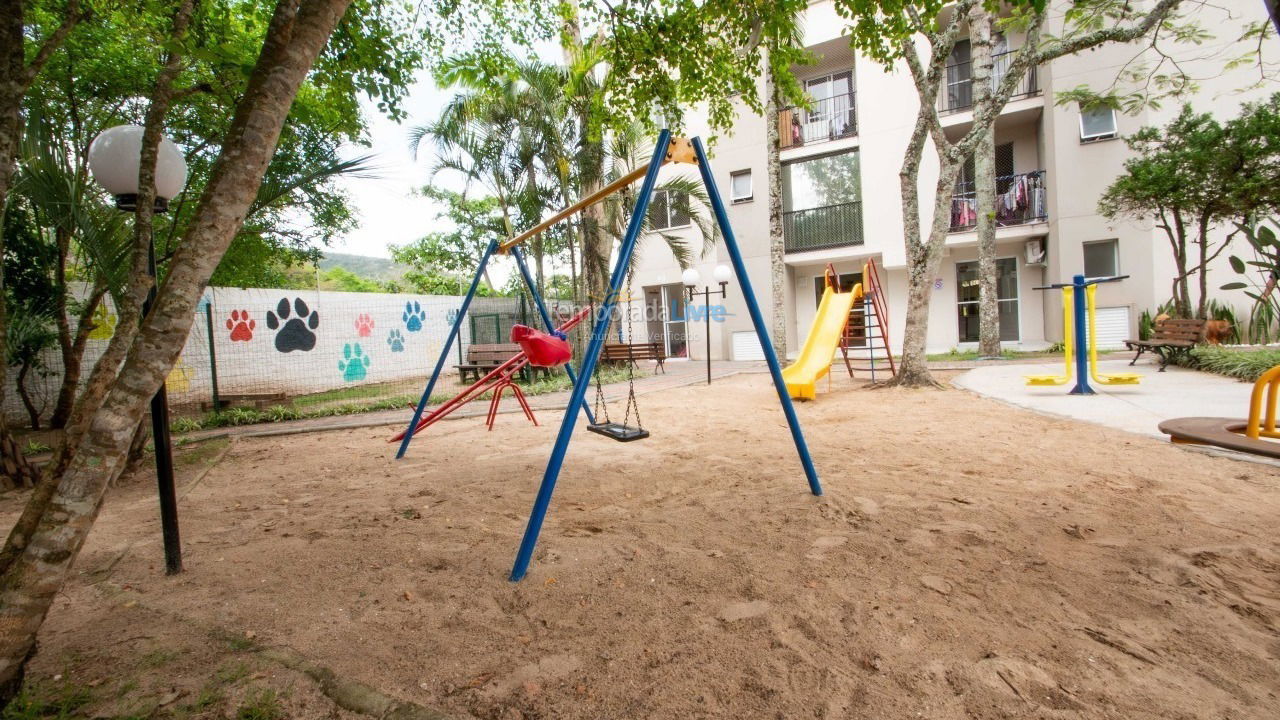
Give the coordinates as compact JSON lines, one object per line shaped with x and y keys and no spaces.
{"x":820,"y":347}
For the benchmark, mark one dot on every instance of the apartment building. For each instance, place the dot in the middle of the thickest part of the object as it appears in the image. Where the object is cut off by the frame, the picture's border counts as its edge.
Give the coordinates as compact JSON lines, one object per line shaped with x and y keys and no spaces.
{"x":840,"y":161}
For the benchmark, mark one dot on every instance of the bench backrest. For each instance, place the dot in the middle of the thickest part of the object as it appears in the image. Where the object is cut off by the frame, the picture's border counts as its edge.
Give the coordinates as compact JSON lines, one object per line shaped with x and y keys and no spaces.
{"x":491,"y":354}
{"x":634,"y":351}
{"x":1179,"y":329}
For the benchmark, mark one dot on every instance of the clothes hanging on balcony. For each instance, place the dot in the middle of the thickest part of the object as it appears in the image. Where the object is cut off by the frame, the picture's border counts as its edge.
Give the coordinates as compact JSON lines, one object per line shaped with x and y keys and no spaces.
{"x":964,"y":212}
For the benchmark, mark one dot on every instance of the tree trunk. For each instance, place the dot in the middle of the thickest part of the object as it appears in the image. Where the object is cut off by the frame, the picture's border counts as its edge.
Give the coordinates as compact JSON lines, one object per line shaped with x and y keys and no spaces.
{"x":16,"y":76}
{"x":923,"y":261}
{"x":777,"y":241}
{"x":1202,"y":267}
{"x":33,"y":412}
{"x":73,"y":347}
{"x":1181,"y":284}
{"x":296,"y":34}
{"x":984,"y":176}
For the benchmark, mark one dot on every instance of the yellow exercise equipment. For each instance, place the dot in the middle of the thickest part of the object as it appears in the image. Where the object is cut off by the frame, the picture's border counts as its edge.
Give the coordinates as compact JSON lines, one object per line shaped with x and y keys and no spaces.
{"x":1102,"y":378}
{"x":1066,"y":347}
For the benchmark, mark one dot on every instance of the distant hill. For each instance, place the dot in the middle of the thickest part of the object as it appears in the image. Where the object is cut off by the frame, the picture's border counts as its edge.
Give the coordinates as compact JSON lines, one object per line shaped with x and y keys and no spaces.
{"x":367,"y":266}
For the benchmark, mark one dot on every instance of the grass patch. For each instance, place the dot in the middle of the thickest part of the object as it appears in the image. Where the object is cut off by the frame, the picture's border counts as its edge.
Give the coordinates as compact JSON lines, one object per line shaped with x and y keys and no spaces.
{"x":338,"y":402}
{"x":47,"y":702}
{"x":260,"y":704}
{"x":958,"y":355}
{"x":1242,"y":364}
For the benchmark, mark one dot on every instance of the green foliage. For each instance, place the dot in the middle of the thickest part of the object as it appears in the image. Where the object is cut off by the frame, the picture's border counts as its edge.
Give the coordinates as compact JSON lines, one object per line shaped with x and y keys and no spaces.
{"x":442,"y":262}
{"x":1197,"y":172}
{"x":1259,"y":277}
{"x":260,"y":704}
{"x":47,"y":702}
{"x":1247,"y":365}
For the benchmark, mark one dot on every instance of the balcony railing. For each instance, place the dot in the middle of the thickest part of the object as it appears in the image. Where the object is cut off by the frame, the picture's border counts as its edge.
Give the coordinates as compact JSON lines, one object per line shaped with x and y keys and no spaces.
{"x":957,"y":94}
{"x":1020,"y":199}
{"x":830,"y":119}
{"x":823,"y":227}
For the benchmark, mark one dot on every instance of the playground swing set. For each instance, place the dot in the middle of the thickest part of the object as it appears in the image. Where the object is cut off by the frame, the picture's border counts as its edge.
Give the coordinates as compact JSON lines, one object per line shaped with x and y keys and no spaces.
{"x":1079,"y":338}
{"x":550,"y":347}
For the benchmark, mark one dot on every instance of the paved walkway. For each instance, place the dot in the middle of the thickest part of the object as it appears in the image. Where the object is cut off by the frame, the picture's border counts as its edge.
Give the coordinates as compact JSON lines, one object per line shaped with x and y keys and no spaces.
{"x":1177,"y":392}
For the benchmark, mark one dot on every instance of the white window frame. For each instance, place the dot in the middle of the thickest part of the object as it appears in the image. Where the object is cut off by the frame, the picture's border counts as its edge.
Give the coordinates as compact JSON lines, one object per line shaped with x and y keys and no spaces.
{"x":667,"y":222}
{"x":1085,"y":137}
{"x":1115,"y":255}
{"x":733,"y":192}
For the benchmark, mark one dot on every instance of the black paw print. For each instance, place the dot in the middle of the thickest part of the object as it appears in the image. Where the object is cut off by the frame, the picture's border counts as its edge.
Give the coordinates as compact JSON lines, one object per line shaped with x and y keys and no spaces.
{"x":297,"y":331}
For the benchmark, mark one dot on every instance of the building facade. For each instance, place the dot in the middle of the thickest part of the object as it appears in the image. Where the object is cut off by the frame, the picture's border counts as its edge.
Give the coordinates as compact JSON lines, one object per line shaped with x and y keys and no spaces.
{"x":840,"y":160}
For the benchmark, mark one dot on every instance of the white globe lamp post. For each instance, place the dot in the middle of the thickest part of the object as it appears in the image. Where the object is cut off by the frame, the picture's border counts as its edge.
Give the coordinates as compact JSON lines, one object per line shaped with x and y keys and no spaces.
{"x":691,"y":278}
{"x":114,"y":160}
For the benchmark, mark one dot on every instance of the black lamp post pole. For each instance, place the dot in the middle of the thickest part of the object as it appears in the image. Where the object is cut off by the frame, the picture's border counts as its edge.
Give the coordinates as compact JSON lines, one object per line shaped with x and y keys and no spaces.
{"x":706,"y":292}
{"x":160,"y":423}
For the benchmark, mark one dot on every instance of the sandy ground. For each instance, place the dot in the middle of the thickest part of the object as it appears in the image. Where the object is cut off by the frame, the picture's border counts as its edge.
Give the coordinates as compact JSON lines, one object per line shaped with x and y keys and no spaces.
{"x":968,"y":560}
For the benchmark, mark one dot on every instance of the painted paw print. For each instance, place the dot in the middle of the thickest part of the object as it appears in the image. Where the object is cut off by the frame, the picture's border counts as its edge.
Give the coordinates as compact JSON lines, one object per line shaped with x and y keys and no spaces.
{"x":241,"y":326}
{"x":294,"y":333}
{"x":395,"y":339}
{"x":354,"y":364}
{"x":364,"y":325}
{"x":413,"y":316}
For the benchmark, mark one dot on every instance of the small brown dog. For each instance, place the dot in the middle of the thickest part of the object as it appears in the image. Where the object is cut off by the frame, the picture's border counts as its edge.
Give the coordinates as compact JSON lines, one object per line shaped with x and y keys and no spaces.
{"x":1216,"y":332}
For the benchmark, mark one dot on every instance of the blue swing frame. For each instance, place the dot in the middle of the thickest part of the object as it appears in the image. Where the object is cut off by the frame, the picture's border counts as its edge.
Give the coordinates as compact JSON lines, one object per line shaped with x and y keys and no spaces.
{"x":542,"y":502}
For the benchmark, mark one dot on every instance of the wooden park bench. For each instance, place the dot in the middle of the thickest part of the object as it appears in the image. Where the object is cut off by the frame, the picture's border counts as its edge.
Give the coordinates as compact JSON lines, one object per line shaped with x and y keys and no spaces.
{"x":1172,"y":337}
{"x":483,"y":358}
{"x":623,"y":352}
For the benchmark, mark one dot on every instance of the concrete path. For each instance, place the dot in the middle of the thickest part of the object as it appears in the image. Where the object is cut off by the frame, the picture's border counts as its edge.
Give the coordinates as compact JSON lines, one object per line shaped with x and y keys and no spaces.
{"x":1177,"y":392}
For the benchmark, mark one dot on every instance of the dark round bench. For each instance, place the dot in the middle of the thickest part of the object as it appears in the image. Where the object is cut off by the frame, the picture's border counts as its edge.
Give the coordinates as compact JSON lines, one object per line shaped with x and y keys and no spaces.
{"x":1220,"y":432}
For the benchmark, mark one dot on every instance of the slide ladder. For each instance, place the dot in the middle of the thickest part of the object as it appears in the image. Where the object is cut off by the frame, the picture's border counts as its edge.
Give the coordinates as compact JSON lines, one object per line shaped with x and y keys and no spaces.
{"x":867,"y":331}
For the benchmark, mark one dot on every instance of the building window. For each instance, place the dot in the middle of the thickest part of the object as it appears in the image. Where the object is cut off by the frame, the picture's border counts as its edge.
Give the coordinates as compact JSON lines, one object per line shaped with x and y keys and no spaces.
{"x":668,"y":209}
{"x":740,"y":186}
{"x":1006,"y":299}
{"x":1097,"y":124}
{"x":1102,"y":258}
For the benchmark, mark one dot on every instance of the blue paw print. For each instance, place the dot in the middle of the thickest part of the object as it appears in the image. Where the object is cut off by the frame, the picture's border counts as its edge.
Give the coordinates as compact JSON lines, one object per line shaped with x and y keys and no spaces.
{"x":396,"y":340}
{"x":355,"y":364}
{"x":413,"y":316}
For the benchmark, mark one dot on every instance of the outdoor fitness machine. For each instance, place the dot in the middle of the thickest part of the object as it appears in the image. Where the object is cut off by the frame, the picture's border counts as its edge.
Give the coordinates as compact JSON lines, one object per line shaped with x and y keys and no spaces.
{"x":1079,"y":308}
{"x":667,"y":150}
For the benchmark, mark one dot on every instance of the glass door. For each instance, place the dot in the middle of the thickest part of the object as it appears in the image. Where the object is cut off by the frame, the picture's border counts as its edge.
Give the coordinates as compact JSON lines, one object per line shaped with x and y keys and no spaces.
{"x":1006,"y":299}
{"x":857,"y":317}
{"x":675,"y":333}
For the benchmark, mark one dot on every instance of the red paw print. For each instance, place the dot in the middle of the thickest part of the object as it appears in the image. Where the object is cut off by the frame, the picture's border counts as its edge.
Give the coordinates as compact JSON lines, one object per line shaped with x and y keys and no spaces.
{"x":364,"y":325}
{"x":241,"y":326}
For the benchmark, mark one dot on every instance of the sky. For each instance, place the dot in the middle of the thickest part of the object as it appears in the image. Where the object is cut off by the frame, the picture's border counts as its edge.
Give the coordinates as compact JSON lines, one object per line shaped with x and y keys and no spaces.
{"x":389,"y":211}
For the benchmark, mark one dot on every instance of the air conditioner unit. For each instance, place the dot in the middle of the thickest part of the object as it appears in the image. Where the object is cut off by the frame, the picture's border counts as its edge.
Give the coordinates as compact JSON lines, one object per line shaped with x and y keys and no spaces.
{"x":1034,"y":252}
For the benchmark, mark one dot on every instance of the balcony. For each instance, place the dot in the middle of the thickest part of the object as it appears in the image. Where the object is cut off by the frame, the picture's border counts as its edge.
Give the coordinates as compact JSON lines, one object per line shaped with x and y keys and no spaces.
{"x":823,"y":227}
{"x":829,"y":119}
{"x":1020,"y":200}
{"x":957,"y":95}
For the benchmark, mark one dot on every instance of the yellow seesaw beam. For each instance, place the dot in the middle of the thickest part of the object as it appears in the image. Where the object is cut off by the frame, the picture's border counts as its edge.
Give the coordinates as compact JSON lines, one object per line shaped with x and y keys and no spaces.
{"x":1067,"y":326}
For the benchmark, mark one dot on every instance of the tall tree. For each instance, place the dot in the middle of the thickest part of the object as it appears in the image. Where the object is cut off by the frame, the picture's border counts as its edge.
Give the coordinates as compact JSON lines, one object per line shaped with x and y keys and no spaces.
{"x":1193,"y":175}
{"x":984,"y":177}
{"x":777,"y":239}
{"x":296,"y":34}
{"x":921,"y":35}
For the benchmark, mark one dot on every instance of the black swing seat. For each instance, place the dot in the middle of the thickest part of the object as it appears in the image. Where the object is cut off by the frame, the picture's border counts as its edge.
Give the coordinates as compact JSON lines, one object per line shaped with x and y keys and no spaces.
{"x":618,"y":431}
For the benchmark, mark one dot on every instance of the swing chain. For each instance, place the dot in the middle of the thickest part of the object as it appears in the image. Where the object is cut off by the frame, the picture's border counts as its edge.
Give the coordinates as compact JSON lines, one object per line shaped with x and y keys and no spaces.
{"x":631,"y":375}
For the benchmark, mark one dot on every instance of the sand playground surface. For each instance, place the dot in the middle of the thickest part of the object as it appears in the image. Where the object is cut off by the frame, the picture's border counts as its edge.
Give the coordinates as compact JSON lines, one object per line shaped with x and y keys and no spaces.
{"x":968,"y":560}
